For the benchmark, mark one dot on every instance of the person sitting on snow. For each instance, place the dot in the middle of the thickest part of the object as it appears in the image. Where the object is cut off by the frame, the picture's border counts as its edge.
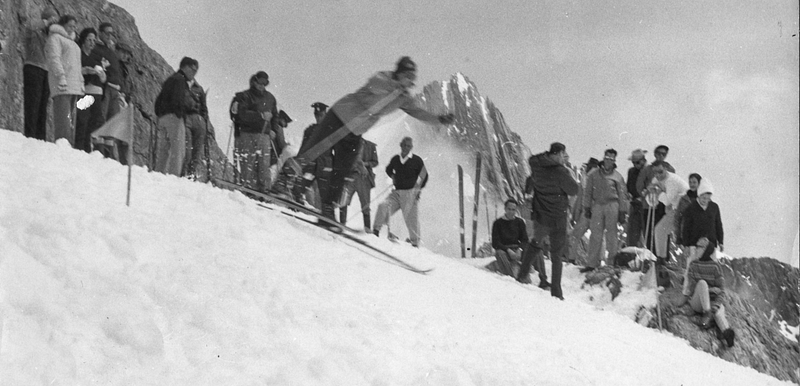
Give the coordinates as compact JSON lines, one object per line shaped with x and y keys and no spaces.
{"x":509,"y":238}
{"x":705,"y":289}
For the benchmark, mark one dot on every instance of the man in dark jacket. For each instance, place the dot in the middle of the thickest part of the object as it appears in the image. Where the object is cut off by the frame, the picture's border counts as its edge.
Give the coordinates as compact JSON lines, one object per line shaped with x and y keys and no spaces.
{"x":636,"y":215}
{"x":171,"y":106}
{"x":409,"y":177}
{"x":552,"y":186}
{"x":509,"y":239}
{"x":254,"y":113}
{"x":197,"y":129}
{"x":361,"y":181}
{"x":112,"y":96}
{"x":322,"y":165}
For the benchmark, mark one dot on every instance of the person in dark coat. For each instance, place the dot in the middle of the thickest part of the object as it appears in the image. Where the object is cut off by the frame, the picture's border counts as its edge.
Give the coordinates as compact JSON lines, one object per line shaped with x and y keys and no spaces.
{"x":255,"y":113}
{"x":197,"y":132}
{"x":171,"y":105}
{"x":361,"y":181}
{"x":90,"y":107}
{"x":322,"y":165}
{"x":509,"y":239}
{"x":113,"y":99}
{"x":702,"y":219}
{"x":553,"y":184}
{"x":636,"y":217}
{"x":688,"y":199}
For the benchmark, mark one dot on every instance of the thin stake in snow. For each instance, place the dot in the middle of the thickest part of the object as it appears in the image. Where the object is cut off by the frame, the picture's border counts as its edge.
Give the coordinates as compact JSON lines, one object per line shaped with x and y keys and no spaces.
{"x":461,"y":210}
{"x":477,"y":204}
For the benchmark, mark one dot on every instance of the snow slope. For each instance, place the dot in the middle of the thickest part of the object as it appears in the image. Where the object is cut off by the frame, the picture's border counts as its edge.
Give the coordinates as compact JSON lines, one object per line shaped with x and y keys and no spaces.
{"x":192,"y":285}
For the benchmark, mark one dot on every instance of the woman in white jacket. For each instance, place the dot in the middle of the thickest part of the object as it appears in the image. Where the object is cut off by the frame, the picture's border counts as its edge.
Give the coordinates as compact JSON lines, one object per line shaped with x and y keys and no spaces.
{"x":64,"y":76}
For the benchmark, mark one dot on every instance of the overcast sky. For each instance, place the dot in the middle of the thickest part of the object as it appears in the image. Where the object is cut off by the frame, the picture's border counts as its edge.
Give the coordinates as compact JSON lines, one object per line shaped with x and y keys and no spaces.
{"x":717,"y":81}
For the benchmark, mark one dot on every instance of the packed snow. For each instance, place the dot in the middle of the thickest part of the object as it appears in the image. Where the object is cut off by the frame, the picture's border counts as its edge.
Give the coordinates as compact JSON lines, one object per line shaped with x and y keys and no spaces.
{"x":193,"y":285}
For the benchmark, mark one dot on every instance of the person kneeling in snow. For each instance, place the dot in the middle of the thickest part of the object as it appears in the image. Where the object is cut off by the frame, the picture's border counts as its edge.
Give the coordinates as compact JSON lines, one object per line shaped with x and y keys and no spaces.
{"x":509,"y":237}
{"x":705,"y":289}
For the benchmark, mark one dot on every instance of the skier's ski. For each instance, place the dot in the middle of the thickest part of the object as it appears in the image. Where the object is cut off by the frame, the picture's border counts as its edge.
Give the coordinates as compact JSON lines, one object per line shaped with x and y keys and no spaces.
{"x":318,"y":220}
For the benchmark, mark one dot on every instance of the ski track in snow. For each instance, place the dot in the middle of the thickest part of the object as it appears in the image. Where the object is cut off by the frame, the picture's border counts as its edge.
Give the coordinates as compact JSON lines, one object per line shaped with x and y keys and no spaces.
{"x":193,"y":285}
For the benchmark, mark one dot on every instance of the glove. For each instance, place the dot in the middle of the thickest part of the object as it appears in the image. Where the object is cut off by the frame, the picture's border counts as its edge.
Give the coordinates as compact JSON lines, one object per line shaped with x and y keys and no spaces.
{"x":622,"y":217}
{"x":587,"y":212}
{"x":446,"y":119}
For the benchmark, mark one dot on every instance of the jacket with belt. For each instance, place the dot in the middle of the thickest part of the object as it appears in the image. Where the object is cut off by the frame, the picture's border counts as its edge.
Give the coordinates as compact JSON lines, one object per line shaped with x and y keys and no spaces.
{"x":381,"y":96}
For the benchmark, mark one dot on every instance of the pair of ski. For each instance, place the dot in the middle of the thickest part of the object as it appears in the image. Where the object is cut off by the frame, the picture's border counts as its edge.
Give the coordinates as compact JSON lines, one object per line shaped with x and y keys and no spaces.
{"x":311,"y":216}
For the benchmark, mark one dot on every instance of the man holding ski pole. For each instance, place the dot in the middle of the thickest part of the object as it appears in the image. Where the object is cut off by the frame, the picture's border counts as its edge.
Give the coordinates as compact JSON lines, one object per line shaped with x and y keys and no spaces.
{"x":342,"y":127}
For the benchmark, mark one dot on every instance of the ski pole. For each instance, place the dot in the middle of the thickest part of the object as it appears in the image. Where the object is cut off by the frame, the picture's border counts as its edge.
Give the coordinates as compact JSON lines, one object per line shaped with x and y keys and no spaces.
{"x":228,"y":151}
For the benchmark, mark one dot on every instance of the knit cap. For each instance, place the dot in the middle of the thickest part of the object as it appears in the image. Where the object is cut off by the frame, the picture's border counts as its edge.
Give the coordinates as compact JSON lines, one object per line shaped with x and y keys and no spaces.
{"x":705,"y":187}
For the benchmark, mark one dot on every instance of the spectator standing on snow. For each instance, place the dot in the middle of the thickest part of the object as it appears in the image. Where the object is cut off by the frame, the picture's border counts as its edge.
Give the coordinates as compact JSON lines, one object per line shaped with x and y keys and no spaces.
{"x":64,"y":76}
{"x":279,"y":140}
{"x":669,"y":188}
{"x":409,"y":176}
{"x":254,"y":113}
{"x":361,"y":181}
{"x":90,"y":117}
{"x":605,"y":204}
{"x":171,"y":106}
{"x":34,"y":71}
{"x":351,"y":117}
{"x":113,"y":99}
{"x":509,"y":239}
{"x":197,"y":130}
{"x":704,"y":290}
{"x":686,"y":200}
{"x":553,"y":184}
{"x":636,"y":214}
{"x":322,"y":166}
{"x":579,"y":249}
{"x":643,"y":181}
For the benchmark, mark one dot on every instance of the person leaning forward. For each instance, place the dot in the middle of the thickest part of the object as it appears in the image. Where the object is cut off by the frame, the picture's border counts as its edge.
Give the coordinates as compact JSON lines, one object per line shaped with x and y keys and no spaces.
{"x":254,"y":113}
{"x":349,"y":118}
{"x":171,"y":106}
{"x":553,"y":184}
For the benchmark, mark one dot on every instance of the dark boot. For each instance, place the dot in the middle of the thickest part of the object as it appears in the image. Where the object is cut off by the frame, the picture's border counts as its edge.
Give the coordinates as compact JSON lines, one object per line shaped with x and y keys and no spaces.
{"x":367,"y":224}
{"x":729,"y":336}
{"x":328,"y":211}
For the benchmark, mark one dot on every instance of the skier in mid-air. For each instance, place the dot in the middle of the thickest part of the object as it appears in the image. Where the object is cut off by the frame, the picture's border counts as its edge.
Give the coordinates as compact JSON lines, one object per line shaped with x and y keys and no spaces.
{"x":341,"y":129}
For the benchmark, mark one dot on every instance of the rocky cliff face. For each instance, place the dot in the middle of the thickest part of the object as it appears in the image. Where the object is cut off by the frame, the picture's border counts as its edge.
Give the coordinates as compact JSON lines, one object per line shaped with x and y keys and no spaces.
{"x":480,"y":128}
{"x":760,"y":294}
{"x":146,"y":68}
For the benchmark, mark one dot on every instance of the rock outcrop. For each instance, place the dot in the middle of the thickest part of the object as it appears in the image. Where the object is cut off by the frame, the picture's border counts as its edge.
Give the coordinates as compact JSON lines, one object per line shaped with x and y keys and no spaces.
{"x":146,"y":69}
{"x":759,"y":294}
{"x":481,"y":129}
